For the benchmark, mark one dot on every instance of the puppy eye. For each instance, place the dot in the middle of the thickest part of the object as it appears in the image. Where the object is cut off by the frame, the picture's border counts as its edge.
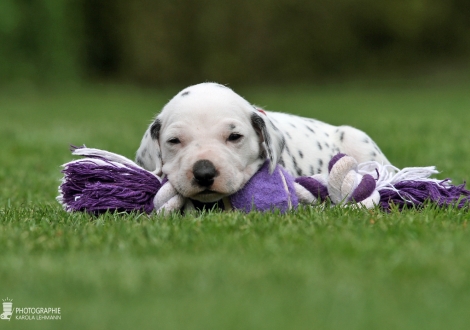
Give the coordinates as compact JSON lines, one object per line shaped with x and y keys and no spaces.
{"x":234,"y":137}
{"x":174,"y":141}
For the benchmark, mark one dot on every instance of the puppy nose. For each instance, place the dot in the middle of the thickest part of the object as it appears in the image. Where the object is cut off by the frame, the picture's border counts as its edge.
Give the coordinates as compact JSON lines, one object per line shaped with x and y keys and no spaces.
{"x":204,"y":172}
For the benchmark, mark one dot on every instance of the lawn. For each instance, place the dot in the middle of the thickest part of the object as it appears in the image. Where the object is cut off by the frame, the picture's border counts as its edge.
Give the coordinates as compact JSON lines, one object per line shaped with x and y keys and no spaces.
{"x":311,"y":269}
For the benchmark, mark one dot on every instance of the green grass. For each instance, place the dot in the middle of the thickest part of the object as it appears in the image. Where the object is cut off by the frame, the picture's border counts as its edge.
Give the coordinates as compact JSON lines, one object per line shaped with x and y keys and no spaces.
{"x":312,"y":269}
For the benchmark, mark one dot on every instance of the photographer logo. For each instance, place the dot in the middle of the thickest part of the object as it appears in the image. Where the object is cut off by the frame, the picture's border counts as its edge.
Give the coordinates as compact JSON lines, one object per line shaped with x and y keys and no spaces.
{"x":7,"y":309}
{"x":29,"y":313}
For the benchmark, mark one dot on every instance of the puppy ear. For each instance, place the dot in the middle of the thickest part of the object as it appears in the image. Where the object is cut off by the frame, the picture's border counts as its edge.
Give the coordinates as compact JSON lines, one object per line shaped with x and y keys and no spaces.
{"x":271,"y":139}
{"x":149,"y":155}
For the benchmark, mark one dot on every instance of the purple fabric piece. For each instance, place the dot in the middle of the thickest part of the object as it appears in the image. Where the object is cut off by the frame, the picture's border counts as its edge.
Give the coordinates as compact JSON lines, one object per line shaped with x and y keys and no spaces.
{"x":334,"y":160}
{"x":316,"y":188}
{"x":265,"y":192}
{"x":417,"y":193}
{"x":365,"y":188}
{"x":98,"y":188}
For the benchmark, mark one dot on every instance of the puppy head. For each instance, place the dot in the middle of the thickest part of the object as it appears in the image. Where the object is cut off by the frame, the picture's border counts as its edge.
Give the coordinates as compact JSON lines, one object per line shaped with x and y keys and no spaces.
{"x":210,"y":141}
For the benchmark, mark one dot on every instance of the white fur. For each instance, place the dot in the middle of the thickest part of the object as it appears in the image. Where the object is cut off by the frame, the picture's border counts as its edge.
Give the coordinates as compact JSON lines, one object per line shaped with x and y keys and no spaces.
{"x":203,"y":117}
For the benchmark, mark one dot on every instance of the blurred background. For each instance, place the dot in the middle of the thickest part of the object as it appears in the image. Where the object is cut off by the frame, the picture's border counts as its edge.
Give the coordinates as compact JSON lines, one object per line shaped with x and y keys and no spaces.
{"x":95,"y":72}
{"x":161,"y":42}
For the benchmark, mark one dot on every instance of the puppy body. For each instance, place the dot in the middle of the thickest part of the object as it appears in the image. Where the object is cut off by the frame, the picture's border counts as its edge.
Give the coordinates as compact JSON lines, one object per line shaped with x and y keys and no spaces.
{"x":310,"y":144}
{"x":209,"y":141}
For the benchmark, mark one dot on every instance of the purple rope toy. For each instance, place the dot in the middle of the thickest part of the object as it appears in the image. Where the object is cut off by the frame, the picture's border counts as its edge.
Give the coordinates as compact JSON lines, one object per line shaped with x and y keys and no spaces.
{"x":104,"y":181}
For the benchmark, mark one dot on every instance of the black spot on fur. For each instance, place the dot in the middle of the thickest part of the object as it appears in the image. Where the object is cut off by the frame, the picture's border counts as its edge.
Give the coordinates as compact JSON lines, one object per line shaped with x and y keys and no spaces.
{"x":185,"y":93}
{"x":319,"y":171}
{"x":139,"y":161}
{"x":232,"y":126}
{"x":301,"y":154}
{"x":366,"y":140}
{"x":259,"y":124}
{"x":327,"y":145}
{"x":262,"y":154}
{"x":312,"y":170}
{"x":292,"y":125}
{"x":288,"y":135}
{"x":257,"y":121}
{"x":320,"y":162}
{"x":298,"y":170}
{"x":311,"y":130}
{"x":281,"y":162}
{"x":374,"y":154}
{"x":144,"y":152}
{"x":155,"y":129}
{"x":288,"y":150}
{"x":319,"y":146}
{"x":341,"y":136}
{"x":327,"y":135}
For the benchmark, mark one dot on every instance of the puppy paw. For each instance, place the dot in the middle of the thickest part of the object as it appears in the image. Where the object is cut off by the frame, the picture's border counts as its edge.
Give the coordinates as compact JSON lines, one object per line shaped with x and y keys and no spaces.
{"x":168,"y":199}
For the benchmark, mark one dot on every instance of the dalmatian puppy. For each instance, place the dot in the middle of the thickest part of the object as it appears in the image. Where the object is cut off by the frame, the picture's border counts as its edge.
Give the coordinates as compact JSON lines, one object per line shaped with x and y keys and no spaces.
{"x":209,"y":141}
